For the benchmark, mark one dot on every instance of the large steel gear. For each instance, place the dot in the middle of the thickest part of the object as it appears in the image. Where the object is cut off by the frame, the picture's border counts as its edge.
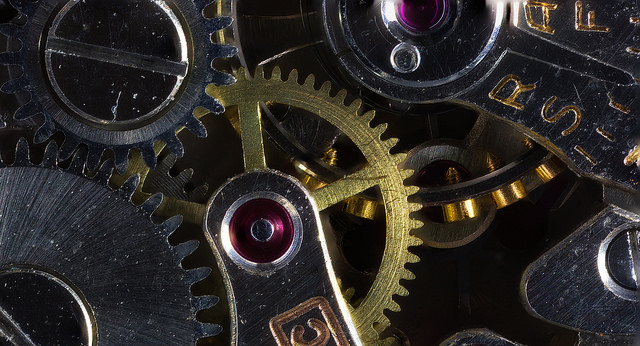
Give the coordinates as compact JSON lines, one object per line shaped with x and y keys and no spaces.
{"x":94,"y":266}
{"x":382,"y":171}
{"x":153,"y":62}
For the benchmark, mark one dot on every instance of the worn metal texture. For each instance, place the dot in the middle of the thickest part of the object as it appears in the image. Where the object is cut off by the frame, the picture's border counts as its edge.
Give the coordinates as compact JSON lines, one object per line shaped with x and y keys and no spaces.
{"x":149,"y":87}
{"x":99,"y":248}
{"x":575,"y":283}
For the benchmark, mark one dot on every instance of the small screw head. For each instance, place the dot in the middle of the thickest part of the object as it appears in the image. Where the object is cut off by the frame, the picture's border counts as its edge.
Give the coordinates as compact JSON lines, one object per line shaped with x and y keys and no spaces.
{"x":405,"y":58}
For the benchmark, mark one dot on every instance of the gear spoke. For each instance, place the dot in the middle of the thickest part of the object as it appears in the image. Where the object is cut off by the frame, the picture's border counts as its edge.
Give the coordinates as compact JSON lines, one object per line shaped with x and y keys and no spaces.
{"x":251,"y":134}
{"x":348,"y":186}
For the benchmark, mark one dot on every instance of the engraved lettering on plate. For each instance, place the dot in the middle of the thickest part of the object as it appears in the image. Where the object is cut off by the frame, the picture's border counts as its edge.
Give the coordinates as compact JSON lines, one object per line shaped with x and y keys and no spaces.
{"x":591,"y":20}
{"x":605,"y":134}
{"x":633,"y":50}
{"x":633,"y":156}
{"x":294,"y":320}
{"x":546,"y":7}
{"x":518,"y":89}
{"x":622,"y":108}
{"x":585,"y":154}
{"x":560,"y":114}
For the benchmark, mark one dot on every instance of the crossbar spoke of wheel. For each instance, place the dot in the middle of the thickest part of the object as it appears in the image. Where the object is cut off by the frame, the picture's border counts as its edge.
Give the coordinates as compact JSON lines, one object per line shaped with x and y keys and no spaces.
{"x":348,"y":186}
{"x":251,"y":134}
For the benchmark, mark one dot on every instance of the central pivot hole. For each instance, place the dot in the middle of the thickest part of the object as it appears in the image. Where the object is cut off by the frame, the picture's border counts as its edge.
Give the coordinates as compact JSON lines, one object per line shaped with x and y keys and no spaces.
{"x":262,"y":230}
{"x":422,"y":15}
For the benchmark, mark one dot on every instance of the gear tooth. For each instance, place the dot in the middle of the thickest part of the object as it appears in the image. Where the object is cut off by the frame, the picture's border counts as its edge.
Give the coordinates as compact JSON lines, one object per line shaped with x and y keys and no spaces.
{"x":25,"y":7}
{"x":128,"y":188}
{"x":198,"y":274}
{"x":212,"y":105}
{"x":293,"y":76}
{"x":27,"y":110}
{"x":152,"y":203}
{"x":222,"y":78}
{"x":104,"y":172}
{"x":326,"y":87}
{"x":391,"y":142}
{"x":93,"y":158}
{"x":406,"y":173}
{"x":204,"y":302}
{"x":22,"y":153}
{"x":9,"y":29}
{"x":197,"y":127}
{"x":341,"y":95}
{"x":407,"y":275}
{"x":172,"y":142}
{"x":241,"y":75}
{"x":224,"y":50}
{"x":121,"y":155}
{"x":402,"y":291}
{"x":368,"y":117}
{"x":209,"y":329}
{"x":355,"y":105}
{"x":417,"y":224}
{"x":43,"y":133}
{"x":413,"y":207}
{"x":259,"y":74}
{"x":149,"y":155}
{"x":166,"y":163}
{"x":310,"y":81}
{"x":68,"y":148}
{"x":50,"y":158}
{"x":201,"y":5}
{"x":171,"y":224}
{"x":78,"y":161}
{"x":183,"y":177}
{"x":14,"y":85}
{"x":349,"y":293}
{"x":11,"y":58}
{"x":413,"y":258}
{"x":399,"y":157}
{"x":380,"y":129}
{"x":185,"y":249}
{"x":219,"y":23}
{"x":199,"y":193}
{"x":393,"y":306}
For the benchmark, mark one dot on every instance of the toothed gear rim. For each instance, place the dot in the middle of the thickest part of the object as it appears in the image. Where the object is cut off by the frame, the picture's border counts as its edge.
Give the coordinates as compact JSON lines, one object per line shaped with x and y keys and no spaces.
{"x":369,"y":314}
{"x":103,"y":245}
{"x":103,"y":135}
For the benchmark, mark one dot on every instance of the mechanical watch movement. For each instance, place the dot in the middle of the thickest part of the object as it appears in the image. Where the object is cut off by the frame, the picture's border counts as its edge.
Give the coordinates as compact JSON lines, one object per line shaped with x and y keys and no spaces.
{"x":319,"y":172}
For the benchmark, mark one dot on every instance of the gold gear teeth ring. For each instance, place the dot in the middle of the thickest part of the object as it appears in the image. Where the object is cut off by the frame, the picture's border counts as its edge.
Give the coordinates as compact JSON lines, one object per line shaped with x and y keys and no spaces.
{"x":382,"y":172}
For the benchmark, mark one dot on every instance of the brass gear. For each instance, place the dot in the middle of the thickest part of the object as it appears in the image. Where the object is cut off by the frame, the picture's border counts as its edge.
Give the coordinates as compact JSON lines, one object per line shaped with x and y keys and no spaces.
{"x":382,"y":171}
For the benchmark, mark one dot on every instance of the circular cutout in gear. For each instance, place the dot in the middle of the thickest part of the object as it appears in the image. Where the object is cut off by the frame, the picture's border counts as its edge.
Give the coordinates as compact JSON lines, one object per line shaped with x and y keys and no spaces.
{"x":123,"y":277}
{"x":115,"y":75}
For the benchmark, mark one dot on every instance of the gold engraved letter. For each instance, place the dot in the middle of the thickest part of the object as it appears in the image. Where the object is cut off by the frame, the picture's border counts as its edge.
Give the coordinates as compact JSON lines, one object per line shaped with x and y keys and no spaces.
{"x":622,"y":108}
{"x":519,"y":89}
{"x":324,"y":330}
{"x":633,"y":157}
{"x":546,"y":7}
{"x":585,"y":154}
{"x":633,"y":50}
{"x":560,"y":114}
{"x":591,"y":20}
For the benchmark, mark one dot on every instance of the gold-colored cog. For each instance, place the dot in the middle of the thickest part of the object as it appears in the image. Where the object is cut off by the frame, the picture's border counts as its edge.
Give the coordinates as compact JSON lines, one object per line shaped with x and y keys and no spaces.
{"x":382,"y":172}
